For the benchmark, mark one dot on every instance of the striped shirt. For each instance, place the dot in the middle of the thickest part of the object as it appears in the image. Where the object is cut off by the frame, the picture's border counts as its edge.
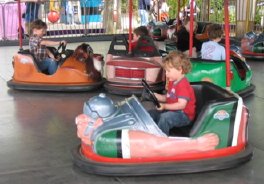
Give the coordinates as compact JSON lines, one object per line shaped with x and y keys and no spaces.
{"x":36,"y":48}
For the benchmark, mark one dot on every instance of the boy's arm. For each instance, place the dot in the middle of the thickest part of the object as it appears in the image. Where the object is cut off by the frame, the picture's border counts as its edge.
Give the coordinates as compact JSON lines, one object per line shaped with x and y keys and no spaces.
{"x":161,"y":98}
{"x":50,"y":54}
{"x":52,"y":43}
{"x":180,"y":105}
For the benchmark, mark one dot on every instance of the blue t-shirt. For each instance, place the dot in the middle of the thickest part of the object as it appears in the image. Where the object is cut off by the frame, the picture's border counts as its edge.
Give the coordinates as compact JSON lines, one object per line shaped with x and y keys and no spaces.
{"x":213,"y":50}
{"x":32,"y":10}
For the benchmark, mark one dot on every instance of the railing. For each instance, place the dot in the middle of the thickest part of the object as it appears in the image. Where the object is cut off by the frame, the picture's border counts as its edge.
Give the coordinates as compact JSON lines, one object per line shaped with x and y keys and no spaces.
{"x":258,"y":28}
{"x":78,"y":19}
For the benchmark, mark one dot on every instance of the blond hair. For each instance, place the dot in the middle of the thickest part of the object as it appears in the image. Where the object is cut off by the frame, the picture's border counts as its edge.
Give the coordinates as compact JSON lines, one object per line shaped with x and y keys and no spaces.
{"x":177,"y":60}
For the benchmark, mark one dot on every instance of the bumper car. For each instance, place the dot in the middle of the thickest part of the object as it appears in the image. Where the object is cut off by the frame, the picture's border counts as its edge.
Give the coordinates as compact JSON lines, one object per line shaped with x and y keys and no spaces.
{"x":122,"y":139}
{"x":239,"y":75}
{"x":124,"y":71}
{"x":252,"y":46}
{"x":78,"y":70}
{"x":215,"y":72}
{"x":161,"y":30}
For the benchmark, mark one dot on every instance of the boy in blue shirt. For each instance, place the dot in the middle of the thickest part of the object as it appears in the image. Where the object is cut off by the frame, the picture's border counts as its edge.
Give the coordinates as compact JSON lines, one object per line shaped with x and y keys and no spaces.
{"x":212,"y":49}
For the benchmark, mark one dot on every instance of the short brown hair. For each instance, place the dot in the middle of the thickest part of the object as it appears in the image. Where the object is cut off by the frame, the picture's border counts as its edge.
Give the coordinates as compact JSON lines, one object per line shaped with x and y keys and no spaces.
{"x":177,"y":59}
{"x":38,"y":24}
{"x":215,"y":31}
{"x":141,"y":31}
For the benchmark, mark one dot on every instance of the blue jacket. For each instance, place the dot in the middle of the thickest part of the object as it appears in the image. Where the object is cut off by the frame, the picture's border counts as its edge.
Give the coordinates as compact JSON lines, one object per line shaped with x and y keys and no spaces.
{"x":143,"y":4}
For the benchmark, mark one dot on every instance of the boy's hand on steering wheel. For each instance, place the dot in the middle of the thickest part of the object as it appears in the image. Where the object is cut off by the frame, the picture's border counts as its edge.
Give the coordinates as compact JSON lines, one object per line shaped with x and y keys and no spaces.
{"x":161,"y":108}
{"x":58,"y":58}
{"x":63,"y":42}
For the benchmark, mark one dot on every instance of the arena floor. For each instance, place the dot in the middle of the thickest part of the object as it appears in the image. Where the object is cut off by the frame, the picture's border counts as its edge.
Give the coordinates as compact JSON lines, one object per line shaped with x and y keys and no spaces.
{"x":38,"y":134}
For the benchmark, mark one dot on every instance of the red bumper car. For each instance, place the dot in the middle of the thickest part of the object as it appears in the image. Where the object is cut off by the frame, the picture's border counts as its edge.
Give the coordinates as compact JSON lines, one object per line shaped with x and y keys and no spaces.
{"x":124,"y":70}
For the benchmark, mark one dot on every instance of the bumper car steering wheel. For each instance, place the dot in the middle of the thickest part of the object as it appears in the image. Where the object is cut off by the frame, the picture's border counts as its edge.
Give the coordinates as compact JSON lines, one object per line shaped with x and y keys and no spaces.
{"x":60,"y":52}
{"x":149,"y":94}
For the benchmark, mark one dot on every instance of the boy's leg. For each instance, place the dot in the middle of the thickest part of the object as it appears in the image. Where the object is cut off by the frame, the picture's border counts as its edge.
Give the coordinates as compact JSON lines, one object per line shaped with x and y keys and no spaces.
{"x":170,"y":119}
{"x":155,"y":114}
{"x":50,"y":65}
{"x":142,"y":17}
{"x":43,"y":65}
{"x":53,"y":65}
{"x":146,"y":17}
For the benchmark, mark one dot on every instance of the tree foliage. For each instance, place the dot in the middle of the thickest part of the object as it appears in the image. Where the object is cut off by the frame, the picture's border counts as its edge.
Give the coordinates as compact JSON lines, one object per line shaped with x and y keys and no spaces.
{"x":216,"y":9}
{"x":173,"y":12}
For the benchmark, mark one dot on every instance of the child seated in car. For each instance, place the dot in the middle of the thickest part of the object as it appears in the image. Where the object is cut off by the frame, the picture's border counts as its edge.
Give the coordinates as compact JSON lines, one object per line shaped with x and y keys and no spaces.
{"x":142,"y":44}
{"x":38,"y":47}
{"x":137,"y":33}
{"x":177,"y":107}
{"x":212,"y":49}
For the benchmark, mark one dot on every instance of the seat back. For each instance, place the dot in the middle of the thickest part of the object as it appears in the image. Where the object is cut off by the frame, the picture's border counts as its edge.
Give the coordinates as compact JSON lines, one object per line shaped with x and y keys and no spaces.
{"x":67,"y":53}
{"x":206,"y":92}
{"x":119,"y":46}
{"x":35,"y":61}
{"x":207,"y":95}
{"x":146,"y":48}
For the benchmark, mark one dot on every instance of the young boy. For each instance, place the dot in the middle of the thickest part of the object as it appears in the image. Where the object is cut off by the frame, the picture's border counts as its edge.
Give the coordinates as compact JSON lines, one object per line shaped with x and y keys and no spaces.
{"x":37,"y":46}
{"x":137,"y":33}
{"x":212,"y":49}
{"x":178,"y":105}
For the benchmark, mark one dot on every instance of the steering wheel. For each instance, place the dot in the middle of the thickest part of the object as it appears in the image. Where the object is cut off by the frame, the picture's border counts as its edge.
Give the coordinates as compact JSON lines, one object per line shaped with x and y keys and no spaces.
{"x":150,"y":93}
{"x":60,"y":52}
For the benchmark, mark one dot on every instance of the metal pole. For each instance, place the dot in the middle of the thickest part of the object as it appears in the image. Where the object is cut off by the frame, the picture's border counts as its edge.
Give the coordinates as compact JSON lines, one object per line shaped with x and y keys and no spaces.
{"x":179,"y":9}
{"x":3,"y":20}
{"x":191,"y":29}
{"x":247,"y":16}
{"x":158,"y":10}
{"x":130,"y":26}
{"x":19,"y":25}
{"x":227,"y":44}
{"x":208,"y":13}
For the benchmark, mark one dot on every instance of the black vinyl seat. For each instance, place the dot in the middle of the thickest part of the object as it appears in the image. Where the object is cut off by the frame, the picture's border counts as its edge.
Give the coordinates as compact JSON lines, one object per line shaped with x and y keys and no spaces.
{"x":206,"y":95}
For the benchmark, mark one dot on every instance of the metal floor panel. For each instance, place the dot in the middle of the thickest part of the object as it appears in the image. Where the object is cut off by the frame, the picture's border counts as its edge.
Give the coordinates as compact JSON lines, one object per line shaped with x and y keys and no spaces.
{"x":38,"y":133}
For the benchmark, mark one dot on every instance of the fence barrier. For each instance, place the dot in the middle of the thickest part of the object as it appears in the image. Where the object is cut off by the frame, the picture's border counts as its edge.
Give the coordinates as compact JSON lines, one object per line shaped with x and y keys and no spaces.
{"x":77,"y":19}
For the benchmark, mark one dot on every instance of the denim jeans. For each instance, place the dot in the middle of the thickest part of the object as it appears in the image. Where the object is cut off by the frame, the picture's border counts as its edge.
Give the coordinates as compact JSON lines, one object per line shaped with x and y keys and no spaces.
{"x":143,"y":14}
{"x":48,"y":64}
{"x":166,"y":120}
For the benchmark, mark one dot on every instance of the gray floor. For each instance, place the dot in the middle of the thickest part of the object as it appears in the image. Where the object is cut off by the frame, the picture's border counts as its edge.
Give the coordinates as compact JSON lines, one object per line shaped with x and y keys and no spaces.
{"x":38,"y":133}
